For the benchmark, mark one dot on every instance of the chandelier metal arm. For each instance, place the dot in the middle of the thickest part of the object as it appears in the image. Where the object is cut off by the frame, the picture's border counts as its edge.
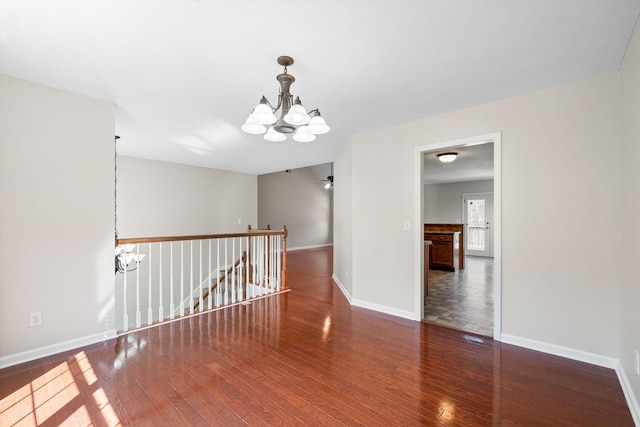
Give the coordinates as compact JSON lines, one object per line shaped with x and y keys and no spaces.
{"x":266,"y":101}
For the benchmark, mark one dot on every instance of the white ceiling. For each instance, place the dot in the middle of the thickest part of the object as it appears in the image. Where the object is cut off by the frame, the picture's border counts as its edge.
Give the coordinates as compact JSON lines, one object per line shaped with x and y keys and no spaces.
{"x":184,"y":74}
{"x":474,"y":162}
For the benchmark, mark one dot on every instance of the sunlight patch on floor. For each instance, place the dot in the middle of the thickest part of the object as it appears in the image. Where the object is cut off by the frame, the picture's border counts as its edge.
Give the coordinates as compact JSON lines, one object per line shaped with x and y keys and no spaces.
{"x":39,"y":401}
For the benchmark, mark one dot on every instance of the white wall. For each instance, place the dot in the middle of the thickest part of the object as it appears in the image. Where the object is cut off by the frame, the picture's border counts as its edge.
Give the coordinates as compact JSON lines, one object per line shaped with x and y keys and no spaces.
{"x":343,"y":221}
{"x":56,"y":219}
{"x":430,"y":208}
{"x":298,"y":200}
{"x":630,"y":229}
{"x":560,"y":170}
{"x":168,"y":199}
{"x":443,"y":202}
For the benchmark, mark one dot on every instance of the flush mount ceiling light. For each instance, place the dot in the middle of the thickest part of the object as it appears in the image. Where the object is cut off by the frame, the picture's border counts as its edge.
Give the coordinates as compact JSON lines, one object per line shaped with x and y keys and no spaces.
{"x":447,"y":157}
{"x":293,"y":116}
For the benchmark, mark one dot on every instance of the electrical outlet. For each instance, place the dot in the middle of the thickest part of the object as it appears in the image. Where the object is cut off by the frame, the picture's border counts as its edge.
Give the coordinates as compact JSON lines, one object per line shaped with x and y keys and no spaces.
{"x":35,"y":319}
{"x":239,"y":220}
{"x":637,"y":363}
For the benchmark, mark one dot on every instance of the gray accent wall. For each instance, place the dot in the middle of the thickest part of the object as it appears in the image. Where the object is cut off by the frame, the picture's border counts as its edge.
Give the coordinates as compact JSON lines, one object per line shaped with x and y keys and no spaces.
{"x":158,"y":198}
{"x":297,"y":199}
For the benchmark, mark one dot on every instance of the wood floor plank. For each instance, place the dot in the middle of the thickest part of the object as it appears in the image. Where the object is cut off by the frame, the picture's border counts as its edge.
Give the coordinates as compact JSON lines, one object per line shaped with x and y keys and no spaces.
{"x":308,"y":358}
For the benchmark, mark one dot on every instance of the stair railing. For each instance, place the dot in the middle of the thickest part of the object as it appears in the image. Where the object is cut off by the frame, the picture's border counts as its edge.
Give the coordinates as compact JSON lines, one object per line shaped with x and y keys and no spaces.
{"x":221,"y":270}
{"x":222,"y":279}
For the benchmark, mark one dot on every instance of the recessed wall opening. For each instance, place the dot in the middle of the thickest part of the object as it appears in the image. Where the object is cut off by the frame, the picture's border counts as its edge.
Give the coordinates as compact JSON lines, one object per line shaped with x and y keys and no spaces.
{"x":458,"y":248}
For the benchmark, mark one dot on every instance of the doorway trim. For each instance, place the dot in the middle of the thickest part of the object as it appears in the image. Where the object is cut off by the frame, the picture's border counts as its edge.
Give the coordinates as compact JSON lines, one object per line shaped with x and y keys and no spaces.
{"x":496,"y":138}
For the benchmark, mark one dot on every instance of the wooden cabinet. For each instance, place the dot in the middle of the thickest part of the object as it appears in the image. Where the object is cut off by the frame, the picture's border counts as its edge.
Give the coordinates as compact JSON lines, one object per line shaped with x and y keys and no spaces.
{"x":444,"y":253}
{"x":430,"y":228}
{"x":427,"y":251}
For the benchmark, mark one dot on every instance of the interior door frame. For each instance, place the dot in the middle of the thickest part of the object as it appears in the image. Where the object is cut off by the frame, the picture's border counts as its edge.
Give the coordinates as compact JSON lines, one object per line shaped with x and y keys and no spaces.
{"x":496,"y":138}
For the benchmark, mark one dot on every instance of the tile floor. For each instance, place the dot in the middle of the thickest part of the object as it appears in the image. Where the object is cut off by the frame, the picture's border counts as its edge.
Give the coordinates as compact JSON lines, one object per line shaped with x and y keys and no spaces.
{"x":463,"y":299}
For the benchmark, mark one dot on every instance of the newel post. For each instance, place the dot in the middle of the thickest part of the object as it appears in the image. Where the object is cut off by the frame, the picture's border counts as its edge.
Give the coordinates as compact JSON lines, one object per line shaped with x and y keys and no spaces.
{"x":249,"y":252}
{"x":284,"y":258}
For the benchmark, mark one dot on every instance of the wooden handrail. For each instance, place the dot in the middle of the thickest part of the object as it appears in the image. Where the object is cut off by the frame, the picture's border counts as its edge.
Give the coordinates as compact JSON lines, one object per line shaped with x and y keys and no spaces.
{"x":250,"y":232}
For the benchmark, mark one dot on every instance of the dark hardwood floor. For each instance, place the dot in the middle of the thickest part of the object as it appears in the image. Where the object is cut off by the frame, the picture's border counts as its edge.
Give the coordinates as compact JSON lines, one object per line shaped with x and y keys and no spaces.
{"x":308,"y":358}
{"x":462,"y":299}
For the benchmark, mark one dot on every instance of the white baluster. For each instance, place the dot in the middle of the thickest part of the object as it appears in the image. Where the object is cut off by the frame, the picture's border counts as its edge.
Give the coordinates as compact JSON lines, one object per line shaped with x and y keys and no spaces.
{"x":218,"y":298}
{"x":265,"y":261}
{"x":272,"y":264}
{"x":233,"y":271}
{"x":247,"y":266}
{"x":125,"y":316}
{"x":209,"y":281}
{"x":240,"y":285}
{"x":258,"y":260}
{"x":255,"y":260}
{"x":160,"y":305}
{"x":270,"y":260}
{"x":200,"y":301}
{"x":150,"y":310}
{"x":275,"y":261}
{"x":280,"y":255}
{"x":138,"y":313}
{"x":181,"y":278}
{"x":191,"y":276}
{"x":226,"y":263}
{"x":171,"y":306}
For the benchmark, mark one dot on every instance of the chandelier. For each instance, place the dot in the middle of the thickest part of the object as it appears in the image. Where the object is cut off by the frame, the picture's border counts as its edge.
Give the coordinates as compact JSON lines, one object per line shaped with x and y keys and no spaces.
{"x":293,"y":116}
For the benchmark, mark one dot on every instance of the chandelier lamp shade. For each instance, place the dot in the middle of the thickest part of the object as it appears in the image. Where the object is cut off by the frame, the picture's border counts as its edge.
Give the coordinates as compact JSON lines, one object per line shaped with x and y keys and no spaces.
{"x":294,"y":118}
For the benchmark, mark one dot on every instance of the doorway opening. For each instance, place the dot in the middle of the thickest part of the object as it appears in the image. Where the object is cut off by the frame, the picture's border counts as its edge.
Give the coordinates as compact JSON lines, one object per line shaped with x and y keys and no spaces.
{"x":465,"y":203}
